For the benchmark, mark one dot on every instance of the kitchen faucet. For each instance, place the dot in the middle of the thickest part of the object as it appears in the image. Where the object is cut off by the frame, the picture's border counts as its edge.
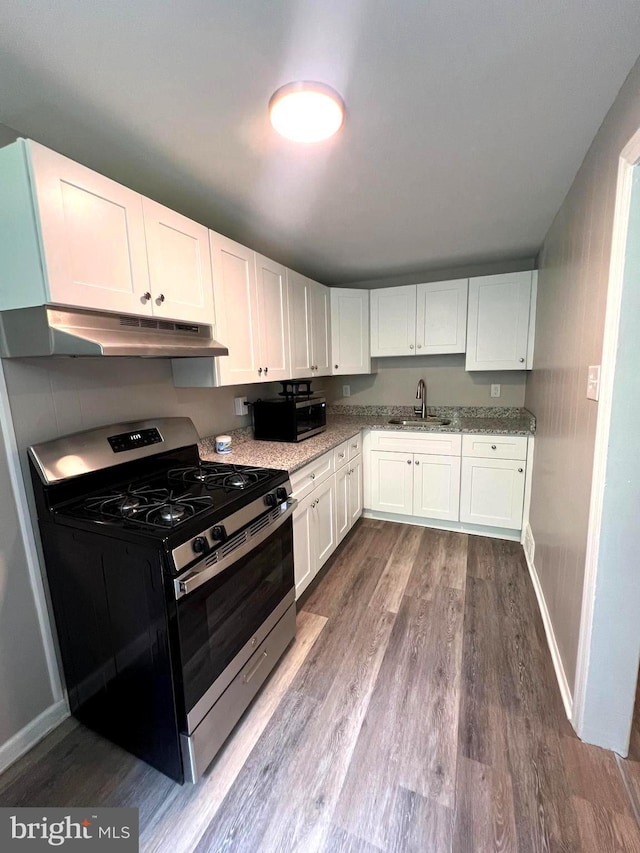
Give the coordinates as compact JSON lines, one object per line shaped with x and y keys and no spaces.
{"x":421,"y":394}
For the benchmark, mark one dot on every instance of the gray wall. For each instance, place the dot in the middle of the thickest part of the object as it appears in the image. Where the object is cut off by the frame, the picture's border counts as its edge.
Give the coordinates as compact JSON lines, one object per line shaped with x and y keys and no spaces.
{"x":572,"y":289}
{"x":448,"y":384}
{"x":25,"y":685}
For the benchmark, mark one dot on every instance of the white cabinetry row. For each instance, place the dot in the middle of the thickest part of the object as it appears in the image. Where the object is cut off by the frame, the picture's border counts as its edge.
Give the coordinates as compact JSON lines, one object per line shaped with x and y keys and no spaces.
{"x":329,"y":492}
{"x":491,"y":318}
{"x":474,"y":479}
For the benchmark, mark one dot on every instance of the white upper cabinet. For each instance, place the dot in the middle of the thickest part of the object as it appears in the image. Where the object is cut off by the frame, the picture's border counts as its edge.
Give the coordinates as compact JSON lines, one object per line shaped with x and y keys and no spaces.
{"x":72,"y":237}
{"x":501,"y":322}
{"x":93,"y":238}
{"x":393,"y":321}
{"x":419,"y":319}
{"x":273,"y":314}
{"x":350,"y":345}
{"x":441,"y":317}
{"x":236,"y":305}
{"x":179,"y":265}
{"x":309,"y":327}
{"x":320,"y":330}
{"x":299,"y":296}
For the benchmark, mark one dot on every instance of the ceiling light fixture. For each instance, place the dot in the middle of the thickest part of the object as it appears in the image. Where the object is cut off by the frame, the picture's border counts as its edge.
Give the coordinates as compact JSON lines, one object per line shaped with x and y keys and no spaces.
{"x":306,"y":111}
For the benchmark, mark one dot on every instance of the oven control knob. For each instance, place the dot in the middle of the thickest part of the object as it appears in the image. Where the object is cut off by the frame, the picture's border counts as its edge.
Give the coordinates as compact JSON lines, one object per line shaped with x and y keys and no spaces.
{"x":218,"y":533}
{"x":271,"y":499}
{"x":281,"y":494}
{"x":200,"y":544}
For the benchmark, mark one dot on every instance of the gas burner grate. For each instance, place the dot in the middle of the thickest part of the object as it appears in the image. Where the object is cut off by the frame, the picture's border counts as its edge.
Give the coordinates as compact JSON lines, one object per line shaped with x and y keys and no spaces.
{"x":145,"y":506}
{"x":214,"y":476}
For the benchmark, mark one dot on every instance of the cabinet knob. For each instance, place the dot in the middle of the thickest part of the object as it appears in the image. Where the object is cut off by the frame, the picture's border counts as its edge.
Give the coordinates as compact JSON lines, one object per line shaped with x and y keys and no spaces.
{"x":160,"y":299}
{"x":313,"y":476}
{"x":355,"y":446}
{"x":410,"y":346}
{"x":340,"y":455}
{"x":266,"y":370}
{"x":521,"y":360}
{"x":335,"y":366}
{"x":259,"y":371}
{"x":493,"y":447}
{"x":146,"y":296}
{"x":408,"y":462}
{"x":520,"y":470}
{"x":416,"y":462}
{"x":419,"y":346}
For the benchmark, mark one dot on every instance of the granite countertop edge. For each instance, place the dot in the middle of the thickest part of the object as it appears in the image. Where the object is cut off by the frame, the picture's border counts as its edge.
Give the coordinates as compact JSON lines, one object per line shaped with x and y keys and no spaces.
{"x":291,"y":456}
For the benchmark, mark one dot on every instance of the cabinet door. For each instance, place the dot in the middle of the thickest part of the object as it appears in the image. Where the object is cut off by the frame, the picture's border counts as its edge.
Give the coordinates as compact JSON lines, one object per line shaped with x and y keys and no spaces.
{"x":492,"y":492}
{"x":393,"y":321}
{"x":343,"y":515}
{"x":498,"y":322}
{"x":299,"y":296}
{"x":234,"y":289}
{"x":273,"y":316}
{"x":436,"y":486}
{"x":320,"y":330}
{"x":325,"y":520}
{"x":304,"y":545}
{"x":441,"y":317}
{"x":355,"y":490}
{"x":92,"y":233}
{"x":392,"y":482}
{"x":179,"y":265}
{"x":350,"y":345}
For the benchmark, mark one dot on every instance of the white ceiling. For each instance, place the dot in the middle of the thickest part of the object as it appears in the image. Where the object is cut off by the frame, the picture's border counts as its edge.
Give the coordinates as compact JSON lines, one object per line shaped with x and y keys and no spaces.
{"x":466,"y":124}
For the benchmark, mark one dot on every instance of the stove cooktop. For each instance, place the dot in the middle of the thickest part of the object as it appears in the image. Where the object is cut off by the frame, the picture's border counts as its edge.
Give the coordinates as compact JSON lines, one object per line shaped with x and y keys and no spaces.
{"x":164,"y":502}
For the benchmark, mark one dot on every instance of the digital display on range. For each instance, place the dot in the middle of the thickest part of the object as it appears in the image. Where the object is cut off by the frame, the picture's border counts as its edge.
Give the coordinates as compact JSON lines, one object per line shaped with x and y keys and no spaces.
{"x":131,"y":440}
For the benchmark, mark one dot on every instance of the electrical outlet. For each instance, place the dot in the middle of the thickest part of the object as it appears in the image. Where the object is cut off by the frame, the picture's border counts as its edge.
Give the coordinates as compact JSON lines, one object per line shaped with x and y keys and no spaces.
{"x":240,"y":405}
{"x":346,"y":390}
{"x":495,"y":390}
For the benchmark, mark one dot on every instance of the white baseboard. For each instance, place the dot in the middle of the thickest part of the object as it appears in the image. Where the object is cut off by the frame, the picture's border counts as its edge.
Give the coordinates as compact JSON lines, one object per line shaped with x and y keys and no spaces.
{"x":29,"y":736}
{"x":563,"y":684}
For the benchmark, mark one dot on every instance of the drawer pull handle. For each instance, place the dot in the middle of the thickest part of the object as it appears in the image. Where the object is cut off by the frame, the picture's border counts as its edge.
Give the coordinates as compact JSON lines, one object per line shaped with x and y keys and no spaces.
{"x":249,"y":675}
{"x":493,"y":447}
{"x":520,"y":470}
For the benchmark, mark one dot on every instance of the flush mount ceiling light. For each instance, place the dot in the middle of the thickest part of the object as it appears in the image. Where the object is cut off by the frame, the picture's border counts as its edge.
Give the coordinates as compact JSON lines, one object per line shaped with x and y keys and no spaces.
{"x":306,"y":111}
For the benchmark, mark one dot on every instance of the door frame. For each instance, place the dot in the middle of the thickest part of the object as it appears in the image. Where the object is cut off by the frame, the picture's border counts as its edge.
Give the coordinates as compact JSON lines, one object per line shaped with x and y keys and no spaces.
{"x":591,"y":677}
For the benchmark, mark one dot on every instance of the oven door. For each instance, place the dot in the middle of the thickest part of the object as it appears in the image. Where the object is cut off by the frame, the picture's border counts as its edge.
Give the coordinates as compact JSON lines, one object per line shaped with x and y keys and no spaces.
{"x":228,"y":604}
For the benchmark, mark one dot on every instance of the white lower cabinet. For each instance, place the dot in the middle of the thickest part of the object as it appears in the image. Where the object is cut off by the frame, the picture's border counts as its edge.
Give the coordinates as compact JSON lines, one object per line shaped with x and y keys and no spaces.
{"x":476,"y":480}
{"x":329,"y":504}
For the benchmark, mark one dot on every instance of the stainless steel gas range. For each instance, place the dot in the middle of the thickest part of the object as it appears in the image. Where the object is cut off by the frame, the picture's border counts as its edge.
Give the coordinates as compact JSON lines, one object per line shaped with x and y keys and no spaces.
{"x":171,"y":581}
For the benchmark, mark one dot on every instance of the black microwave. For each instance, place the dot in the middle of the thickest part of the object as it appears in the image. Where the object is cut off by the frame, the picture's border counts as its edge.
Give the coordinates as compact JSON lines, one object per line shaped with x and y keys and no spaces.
{"x":289,"y":418}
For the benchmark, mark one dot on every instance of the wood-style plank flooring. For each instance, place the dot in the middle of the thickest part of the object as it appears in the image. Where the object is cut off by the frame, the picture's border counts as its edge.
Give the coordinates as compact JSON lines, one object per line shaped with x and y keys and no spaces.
{"x":417,"y":710}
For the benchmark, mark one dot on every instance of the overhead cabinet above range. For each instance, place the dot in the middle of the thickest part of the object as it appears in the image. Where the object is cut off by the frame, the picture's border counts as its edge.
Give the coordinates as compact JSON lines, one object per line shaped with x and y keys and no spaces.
{"x":419,"y":319}
{"x":72,"y":237}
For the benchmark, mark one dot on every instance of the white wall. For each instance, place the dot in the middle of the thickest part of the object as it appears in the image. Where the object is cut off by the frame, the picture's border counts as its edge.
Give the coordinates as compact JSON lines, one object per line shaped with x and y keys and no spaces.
{"x":572,"y":292}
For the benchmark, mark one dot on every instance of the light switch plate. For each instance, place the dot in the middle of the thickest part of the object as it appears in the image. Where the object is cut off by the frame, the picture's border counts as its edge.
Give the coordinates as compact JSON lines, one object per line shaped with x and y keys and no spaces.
{"x":593,"y":382}
{"x":495,"y":390}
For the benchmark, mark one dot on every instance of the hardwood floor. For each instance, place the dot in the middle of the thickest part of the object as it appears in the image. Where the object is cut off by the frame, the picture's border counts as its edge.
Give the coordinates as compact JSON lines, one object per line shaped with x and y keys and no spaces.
{"x":417,"y":710}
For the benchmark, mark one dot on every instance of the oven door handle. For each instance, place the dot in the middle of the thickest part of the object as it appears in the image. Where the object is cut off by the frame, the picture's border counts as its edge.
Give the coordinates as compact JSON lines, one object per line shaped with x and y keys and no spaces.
{"x":195,"y":578}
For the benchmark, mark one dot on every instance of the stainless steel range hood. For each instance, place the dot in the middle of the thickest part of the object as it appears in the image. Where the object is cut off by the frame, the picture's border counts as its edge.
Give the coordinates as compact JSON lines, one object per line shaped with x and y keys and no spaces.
{"x":44,"y":330}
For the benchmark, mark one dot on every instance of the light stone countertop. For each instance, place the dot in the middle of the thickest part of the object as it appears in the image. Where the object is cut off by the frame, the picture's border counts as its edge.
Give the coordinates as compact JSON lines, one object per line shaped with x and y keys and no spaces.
{"x":291,"y":456}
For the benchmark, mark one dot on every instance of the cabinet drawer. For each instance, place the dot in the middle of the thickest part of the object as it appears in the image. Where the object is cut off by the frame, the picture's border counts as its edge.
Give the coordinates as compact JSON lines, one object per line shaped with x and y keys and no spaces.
{"x":442,"y":444}
{"x":355,"y":445}
{"x":495,"y":446}
{"x":316,"y":472}
{"x":340,"y":455}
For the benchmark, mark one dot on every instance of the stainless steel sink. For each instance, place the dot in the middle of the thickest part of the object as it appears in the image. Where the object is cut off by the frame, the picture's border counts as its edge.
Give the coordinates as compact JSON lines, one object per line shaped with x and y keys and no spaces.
{"x":429,"y":421}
